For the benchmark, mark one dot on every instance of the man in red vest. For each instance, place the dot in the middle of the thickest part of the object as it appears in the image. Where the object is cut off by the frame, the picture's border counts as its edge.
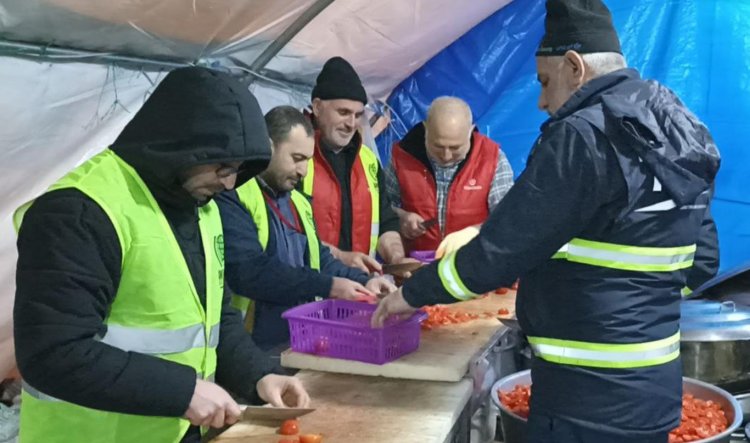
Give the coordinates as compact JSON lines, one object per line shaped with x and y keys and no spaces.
{"x":345,"y":179}
{"x":445,"y":177}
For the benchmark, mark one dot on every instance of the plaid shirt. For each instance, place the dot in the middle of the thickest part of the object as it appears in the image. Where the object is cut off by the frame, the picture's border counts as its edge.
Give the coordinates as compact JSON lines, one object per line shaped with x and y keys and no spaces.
{"x":501,"y":183}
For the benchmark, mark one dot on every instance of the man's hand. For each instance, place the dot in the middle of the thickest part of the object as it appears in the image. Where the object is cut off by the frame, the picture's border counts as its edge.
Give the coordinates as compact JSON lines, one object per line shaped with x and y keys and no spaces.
{"x":380,"y":285}
{"x":393,"y":303}
{"x":345,"y":289}
{"x":283,"y":392}
{"x":359,"y":260}
{"x":454,"y":241}
{"x":411,"y":225}
{"x":212,"y":406}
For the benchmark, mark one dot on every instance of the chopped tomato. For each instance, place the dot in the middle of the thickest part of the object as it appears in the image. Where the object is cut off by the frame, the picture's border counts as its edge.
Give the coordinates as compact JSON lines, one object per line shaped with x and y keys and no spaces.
{"x":439,"y":315}
{"x":310,"y":438}
{"x":700,"y":419}
{"x":517,"y":400}
{"x":288,"y":440}
{"x":289,"y":427}
{"x":501,"y":291}
{"x":503,"y":311}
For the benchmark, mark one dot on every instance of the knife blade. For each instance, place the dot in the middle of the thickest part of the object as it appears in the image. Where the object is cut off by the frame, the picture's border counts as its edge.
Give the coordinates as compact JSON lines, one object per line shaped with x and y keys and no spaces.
{"x":259,"y":413}
{"x":401,"y":268}
{"x":427,"y":224}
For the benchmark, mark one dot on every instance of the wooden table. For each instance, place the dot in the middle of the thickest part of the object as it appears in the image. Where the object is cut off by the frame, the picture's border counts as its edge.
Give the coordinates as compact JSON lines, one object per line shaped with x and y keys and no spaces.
{"x":366,"y":409}
{"x":355,"y":408}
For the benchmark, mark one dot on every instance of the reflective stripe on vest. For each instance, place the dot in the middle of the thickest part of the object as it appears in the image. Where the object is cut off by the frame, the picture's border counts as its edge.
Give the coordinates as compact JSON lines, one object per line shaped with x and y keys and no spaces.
{"x":39,"y":395}
{"x":629,"y":258}
{"x":603,"y":355}
{"x":160,"y":341}
{"x":251,"y":198}
{"x":370,"y":164}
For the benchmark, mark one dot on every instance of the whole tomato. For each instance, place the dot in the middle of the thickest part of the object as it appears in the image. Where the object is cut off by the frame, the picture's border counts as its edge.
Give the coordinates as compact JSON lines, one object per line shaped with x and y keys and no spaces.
{"x":289,"y":427}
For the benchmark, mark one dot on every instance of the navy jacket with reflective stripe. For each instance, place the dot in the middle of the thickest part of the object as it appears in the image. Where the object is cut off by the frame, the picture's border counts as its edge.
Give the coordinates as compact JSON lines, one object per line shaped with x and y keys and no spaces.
{"x":618,"y":145}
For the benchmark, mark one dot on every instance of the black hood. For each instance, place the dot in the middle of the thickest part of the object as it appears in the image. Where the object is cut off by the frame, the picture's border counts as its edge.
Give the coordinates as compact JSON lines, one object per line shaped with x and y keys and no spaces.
{"x":194,"y":116}
{"x":666,"y":136}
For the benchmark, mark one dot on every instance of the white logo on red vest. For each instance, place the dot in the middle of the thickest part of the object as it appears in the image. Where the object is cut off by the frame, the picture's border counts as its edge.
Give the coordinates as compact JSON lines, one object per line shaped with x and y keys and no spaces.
{"x":472,"y":186}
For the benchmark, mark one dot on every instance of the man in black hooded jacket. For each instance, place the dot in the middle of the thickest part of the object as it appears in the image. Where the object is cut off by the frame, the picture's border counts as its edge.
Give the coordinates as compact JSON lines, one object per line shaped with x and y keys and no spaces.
{"x":87,"y":338}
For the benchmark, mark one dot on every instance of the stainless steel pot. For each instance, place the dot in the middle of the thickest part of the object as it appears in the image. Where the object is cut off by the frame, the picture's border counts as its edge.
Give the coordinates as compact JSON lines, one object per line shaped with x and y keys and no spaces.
{"x":514,"y":427}
{"x":715,"y":343}
{"x":744,"y":401}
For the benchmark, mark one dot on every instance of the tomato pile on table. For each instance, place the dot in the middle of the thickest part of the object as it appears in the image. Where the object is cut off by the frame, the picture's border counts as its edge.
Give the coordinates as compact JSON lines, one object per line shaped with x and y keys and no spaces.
{"x":700,"y":419}
{"x":440,"y":315}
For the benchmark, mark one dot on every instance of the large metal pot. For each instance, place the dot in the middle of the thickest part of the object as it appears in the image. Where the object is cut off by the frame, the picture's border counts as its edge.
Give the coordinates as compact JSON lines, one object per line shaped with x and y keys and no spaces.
{"x":744,"y":401}
{"x":514,"y":427}
{"x":715,"y":343}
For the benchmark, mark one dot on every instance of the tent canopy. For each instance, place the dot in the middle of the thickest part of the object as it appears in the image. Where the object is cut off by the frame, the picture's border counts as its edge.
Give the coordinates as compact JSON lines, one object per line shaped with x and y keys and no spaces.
{"x":386,"y":40}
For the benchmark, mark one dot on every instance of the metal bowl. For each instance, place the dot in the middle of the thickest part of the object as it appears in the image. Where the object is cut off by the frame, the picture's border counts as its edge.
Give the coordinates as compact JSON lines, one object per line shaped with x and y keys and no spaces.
{"x":514,"y":426}
{"x":729,"y":405}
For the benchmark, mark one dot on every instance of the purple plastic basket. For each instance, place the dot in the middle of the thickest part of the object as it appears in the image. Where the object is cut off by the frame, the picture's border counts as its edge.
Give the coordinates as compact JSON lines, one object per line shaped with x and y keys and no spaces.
{"x":423,"y":256}
{"x":341,"y":329}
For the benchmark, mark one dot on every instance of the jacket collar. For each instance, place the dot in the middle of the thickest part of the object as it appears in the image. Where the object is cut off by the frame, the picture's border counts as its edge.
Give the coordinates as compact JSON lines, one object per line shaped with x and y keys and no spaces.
{"x":591,"y":91}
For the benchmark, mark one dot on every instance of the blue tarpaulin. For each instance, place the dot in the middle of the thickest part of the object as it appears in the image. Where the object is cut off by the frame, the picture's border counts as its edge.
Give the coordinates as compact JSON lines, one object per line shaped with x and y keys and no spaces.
{"x":698,"y":48}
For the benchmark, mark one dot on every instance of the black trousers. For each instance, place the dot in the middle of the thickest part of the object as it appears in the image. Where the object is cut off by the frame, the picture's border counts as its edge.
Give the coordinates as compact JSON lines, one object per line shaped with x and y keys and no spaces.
{"x":545,"y":429}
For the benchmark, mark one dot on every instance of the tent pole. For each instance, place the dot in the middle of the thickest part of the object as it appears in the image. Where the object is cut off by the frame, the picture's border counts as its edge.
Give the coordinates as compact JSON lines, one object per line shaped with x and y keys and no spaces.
{"x":278,"y":44}
{"x":51,"y":53}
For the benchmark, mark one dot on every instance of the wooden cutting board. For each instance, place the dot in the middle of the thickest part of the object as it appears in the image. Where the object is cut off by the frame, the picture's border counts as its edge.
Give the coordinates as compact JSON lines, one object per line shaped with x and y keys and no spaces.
{"x":350,"y":408}
{"x":444,"y":353}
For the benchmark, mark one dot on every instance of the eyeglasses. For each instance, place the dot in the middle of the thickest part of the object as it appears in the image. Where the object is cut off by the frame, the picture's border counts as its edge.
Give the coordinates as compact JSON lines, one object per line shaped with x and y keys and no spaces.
{"x":225,"y":171}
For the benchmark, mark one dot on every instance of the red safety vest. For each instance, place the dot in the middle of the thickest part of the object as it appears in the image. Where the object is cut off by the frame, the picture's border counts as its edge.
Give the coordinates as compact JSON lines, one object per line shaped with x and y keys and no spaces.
{"x":467,"y":194}
{"x":321,"y":183}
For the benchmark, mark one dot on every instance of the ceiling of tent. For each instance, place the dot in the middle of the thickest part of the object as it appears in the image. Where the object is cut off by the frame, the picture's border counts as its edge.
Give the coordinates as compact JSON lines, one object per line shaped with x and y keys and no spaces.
{"x":386,"y":40}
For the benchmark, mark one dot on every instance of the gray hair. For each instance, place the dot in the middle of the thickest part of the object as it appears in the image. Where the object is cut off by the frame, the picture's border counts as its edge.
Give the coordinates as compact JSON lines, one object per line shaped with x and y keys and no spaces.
{"x":601,"y":63}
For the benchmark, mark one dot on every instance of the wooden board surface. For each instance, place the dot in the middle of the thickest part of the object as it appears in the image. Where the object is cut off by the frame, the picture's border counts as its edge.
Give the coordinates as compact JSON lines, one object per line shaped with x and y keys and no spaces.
{"x":352,"y":408}
{"x":444,"y":353}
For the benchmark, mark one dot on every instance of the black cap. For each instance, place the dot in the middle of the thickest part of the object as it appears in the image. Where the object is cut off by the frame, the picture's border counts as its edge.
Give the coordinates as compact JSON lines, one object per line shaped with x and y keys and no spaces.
{"x":584,"y":26}
{"x":338,"y":80}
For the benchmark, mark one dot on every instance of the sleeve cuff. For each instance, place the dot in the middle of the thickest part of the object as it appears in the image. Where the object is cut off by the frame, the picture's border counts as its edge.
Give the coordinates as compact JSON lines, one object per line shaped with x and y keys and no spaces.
{"x":320,"y":286}
{"x":425,"y":288}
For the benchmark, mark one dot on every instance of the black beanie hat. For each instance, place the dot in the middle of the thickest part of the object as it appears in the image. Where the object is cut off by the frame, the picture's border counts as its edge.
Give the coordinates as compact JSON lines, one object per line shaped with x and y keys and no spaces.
{"x":584,"y":26}
{"x":338,"y":79}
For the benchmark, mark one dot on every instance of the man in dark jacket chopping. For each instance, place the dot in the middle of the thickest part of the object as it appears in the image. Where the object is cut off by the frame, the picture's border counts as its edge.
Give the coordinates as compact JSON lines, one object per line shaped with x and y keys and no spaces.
{"x":122,"y":322}
{"x":274,"y":255}
{"x":603,"y":232}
